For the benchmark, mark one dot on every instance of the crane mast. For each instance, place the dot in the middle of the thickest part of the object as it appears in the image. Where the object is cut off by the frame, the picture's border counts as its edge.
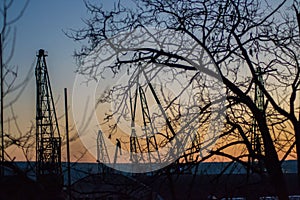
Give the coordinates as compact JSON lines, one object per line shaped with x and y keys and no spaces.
{"x":256,"y":138}
{"x":48,"y":140}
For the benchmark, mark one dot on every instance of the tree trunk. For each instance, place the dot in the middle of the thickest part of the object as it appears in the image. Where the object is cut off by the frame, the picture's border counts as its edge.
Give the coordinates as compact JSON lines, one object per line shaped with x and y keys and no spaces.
{"x":297,"y":140}
{"x":272,"y":162}
{"x":274,"y":169}
{"x":297,"y":124}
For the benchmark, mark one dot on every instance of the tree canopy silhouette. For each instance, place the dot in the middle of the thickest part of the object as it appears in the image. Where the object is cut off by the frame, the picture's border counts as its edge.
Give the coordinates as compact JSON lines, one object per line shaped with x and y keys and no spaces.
{"x":240,"y":37}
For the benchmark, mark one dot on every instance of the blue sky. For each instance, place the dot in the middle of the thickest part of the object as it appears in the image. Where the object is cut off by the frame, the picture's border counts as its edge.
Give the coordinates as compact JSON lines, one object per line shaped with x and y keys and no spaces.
{"x":42,"y":26}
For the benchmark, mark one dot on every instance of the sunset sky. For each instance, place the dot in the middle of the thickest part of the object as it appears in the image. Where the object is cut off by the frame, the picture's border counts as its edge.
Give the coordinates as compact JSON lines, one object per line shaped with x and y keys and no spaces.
{"x":42,"y":26}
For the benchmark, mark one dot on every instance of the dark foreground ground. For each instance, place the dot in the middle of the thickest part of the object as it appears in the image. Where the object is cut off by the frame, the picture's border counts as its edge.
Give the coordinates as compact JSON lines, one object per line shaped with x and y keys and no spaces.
{"x":181,"y":186}
{"x":112,"y":185}
{"x":117,"y":186}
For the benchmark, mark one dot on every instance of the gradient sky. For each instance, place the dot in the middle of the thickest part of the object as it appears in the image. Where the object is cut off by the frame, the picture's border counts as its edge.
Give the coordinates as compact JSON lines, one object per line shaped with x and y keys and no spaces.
{"x":42,"y":27}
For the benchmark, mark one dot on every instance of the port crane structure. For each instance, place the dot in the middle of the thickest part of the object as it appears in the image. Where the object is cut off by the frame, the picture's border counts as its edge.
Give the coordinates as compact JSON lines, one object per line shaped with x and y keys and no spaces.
{"x":48,"y":139}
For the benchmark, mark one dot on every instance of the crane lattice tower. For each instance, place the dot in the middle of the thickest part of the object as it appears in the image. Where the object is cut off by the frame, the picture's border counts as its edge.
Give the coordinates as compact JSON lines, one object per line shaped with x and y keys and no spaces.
{"x":48,"y":140}
{"x":256,"y":138}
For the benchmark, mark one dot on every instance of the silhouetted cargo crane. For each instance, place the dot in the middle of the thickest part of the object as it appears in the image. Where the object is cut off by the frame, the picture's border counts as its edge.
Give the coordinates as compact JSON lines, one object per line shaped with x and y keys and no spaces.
{"x":48,"y":140}
{"x":256,"y":138}
{"x":146,"y":145}
{"x":147,"y":128}
{"x":102,"y":154}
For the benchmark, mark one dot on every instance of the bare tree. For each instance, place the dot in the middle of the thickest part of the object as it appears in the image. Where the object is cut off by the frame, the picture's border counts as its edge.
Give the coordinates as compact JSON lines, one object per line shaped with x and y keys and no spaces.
{"x":239,"y":37}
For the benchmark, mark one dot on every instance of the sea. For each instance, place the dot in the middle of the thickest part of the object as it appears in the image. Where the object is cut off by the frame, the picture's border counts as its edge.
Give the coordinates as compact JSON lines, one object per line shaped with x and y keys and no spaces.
{"x":79,"y":170}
